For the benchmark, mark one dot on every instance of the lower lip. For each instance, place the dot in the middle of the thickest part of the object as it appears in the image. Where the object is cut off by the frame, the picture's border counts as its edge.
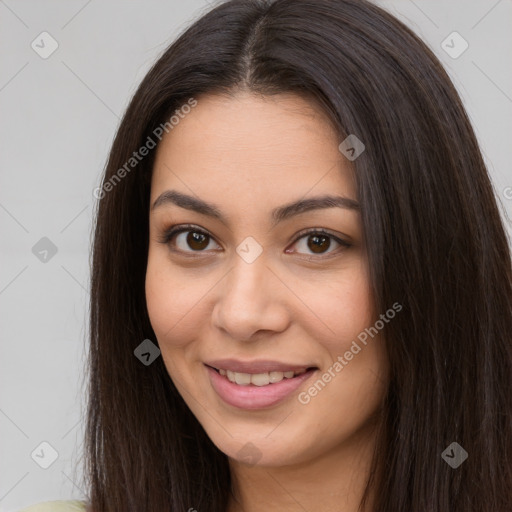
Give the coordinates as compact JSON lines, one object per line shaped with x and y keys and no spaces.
{"x":251,"y":396}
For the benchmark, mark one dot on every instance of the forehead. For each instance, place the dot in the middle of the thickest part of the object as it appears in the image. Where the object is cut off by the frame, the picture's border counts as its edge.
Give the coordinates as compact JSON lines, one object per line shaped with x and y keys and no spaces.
{"x":278,"y":147}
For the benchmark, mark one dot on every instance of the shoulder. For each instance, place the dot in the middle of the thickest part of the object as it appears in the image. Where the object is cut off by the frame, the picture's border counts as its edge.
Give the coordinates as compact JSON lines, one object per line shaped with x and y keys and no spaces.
{"x":56,"y":506}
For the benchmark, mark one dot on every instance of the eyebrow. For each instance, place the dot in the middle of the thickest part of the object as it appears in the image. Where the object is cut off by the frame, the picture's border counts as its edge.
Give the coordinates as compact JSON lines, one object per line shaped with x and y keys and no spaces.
{"x":278,"y":214}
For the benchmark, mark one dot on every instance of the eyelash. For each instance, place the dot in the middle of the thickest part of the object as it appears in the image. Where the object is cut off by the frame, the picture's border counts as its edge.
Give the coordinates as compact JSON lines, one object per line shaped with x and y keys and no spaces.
{"x":176,"y":230}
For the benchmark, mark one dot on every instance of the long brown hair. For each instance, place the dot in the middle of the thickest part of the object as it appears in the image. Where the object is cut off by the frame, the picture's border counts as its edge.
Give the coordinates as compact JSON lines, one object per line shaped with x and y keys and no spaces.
{"x":436,"y":244}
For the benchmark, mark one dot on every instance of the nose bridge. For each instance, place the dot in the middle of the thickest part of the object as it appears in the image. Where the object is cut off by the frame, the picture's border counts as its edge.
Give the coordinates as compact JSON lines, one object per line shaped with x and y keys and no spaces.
{"x":245,"y":293}
{"x":246,"y":278}
{"x":249,"y":299}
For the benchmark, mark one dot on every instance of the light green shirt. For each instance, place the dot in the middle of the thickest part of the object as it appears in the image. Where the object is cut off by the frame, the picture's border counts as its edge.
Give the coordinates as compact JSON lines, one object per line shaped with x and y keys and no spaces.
{"x":56,"y":506}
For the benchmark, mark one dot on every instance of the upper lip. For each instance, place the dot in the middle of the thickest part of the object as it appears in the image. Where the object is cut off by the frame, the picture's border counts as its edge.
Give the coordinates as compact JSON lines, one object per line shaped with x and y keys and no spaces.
{"x":261,"y":366}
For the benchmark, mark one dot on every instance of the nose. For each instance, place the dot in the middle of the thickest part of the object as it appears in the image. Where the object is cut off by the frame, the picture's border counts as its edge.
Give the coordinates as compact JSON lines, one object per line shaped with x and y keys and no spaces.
{"x":251,"y":299}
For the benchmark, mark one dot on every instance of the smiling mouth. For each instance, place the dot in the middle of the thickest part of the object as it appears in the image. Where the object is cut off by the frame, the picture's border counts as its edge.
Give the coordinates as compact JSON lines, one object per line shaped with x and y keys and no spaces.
{"x":260,"y":379}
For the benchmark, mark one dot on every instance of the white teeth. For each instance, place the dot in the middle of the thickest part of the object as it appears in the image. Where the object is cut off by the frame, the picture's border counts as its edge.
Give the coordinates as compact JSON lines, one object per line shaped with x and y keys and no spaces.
{"x":243,"y":379}
{"x":259,"y":379}
{"x":275,"y":377}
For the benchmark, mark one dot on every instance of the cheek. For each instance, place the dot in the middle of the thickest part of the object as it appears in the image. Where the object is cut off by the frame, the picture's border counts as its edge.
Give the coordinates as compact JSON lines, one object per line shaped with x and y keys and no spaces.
{"x":173,"y":302}
{"x":352,"y":383}
{"x":342,"y":307}
{"x":355,"y":362}
{"x":176,"y":314}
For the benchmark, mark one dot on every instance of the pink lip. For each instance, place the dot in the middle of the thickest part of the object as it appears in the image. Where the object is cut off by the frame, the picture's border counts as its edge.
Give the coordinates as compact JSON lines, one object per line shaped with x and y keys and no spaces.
{"x":251,"y":396}
{"x":262,"y":366}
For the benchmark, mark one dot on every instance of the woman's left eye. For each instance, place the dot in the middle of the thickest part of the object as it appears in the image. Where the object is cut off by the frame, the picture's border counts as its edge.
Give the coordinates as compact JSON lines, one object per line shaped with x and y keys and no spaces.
{"x":319,"y":242}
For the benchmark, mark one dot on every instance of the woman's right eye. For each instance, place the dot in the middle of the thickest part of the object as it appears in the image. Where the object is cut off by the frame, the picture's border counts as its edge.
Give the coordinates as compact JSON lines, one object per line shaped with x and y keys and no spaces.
{"x":187,"y":239}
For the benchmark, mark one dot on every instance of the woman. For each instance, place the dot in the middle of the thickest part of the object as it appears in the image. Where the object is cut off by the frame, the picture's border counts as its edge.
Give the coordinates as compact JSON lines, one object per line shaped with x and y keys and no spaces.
{"x":301,"y":283}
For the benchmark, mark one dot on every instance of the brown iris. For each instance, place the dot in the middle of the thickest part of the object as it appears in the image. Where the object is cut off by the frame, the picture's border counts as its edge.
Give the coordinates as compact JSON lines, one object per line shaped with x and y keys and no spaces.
{"x":197,"y":241}
{"x":318,"y":242}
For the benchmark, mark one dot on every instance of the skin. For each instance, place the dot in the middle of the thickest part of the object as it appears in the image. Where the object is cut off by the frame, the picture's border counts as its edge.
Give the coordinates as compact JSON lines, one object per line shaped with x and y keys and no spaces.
{"x":248,"y":154}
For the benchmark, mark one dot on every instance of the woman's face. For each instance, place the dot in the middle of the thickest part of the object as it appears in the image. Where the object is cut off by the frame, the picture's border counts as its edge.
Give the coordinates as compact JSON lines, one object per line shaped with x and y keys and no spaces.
{"x":251,"y":286}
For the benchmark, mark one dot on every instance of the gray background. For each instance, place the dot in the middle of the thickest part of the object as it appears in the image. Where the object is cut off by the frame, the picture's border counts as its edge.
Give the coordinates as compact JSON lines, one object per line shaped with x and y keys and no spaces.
{"x":58,"y":119}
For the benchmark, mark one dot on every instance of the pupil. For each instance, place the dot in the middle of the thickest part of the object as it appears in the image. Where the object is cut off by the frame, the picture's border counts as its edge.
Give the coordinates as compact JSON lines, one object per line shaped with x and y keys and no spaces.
{"x":318,"y":243}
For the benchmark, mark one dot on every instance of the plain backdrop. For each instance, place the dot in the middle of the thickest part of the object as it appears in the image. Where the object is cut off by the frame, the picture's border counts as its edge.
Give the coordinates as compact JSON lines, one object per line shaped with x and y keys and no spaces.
{"x":58,"y":118}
